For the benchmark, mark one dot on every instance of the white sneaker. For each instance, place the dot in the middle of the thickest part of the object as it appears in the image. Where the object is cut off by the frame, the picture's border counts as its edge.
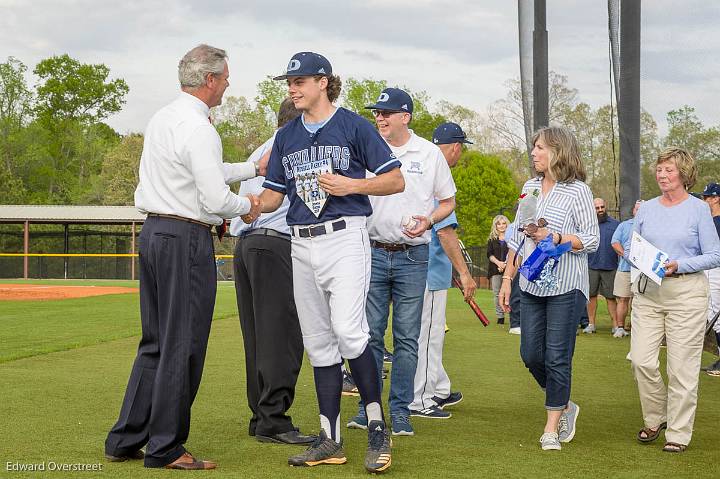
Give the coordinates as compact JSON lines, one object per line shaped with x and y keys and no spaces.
{"x":514,"y":330}
{"x":620,"y":333}
{"x":612,"y":331}
{"x":589,"y":329}
{"x":549,"y":442}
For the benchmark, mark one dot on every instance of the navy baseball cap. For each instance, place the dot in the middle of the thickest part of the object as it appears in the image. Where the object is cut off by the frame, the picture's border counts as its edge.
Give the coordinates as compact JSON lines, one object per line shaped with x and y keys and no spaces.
{"x":393,"y":99}
{"x":306,"y":64}
{"x":449,"y":133}
{"x":712,"y":189}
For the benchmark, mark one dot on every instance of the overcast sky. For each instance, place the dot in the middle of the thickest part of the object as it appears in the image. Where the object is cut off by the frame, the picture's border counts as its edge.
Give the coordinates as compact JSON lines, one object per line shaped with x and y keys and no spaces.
{"x":460,"y":51}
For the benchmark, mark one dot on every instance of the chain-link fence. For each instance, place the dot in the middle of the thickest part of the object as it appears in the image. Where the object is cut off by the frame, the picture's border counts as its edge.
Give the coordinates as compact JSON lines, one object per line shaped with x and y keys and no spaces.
{"x":98,"y":252}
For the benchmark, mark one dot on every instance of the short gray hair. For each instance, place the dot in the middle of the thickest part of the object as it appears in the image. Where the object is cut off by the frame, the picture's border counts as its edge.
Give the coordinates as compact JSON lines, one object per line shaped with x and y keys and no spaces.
{"x":198,"y":62}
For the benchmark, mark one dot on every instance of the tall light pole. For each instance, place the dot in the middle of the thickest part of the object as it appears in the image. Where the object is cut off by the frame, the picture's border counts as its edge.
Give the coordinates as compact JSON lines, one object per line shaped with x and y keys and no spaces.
{"x":540,"y":67}
{"x":629,"y":106}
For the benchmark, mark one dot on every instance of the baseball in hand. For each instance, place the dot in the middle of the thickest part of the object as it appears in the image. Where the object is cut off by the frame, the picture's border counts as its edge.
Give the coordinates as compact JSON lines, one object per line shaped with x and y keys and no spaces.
{"x":408,"y":223}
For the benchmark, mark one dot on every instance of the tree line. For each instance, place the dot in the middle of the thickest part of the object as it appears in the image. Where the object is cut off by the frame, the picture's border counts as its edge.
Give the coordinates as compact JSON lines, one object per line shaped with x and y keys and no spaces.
{"x":56,"y":149}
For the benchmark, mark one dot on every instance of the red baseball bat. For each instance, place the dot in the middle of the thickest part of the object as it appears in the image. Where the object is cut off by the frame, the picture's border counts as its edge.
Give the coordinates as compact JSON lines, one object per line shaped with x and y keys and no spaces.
{"x":473,"y":305}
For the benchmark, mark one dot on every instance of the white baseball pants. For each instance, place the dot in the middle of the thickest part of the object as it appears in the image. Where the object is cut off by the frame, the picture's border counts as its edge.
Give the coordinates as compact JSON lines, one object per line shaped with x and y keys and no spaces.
{"x":331,"y":277}
{"x":430,"y":376}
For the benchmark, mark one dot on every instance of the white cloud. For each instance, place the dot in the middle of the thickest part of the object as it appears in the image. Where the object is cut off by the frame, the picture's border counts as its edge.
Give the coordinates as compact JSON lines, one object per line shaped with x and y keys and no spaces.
{"x":460,"y":51}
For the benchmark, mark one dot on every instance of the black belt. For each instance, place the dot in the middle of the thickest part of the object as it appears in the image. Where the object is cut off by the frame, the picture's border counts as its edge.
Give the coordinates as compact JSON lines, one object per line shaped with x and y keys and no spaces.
{"x":264,"y":232}
{"x":679,"y":275}
{"x":319,"y":230}
{"x":391,"y":246}
{"x":181,"y":218}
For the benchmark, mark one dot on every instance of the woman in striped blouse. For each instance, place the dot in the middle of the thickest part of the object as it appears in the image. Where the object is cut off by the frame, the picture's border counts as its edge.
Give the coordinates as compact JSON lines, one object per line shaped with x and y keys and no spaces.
{"x":550,"y":313}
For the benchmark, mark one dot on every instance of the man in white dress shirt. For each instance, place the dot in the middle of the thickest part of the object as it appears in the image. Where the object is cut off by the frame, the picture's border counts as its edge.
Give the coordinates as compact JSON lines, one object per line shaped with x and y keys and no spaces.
{"x":184,"y":191}
{"x":264,"y":288}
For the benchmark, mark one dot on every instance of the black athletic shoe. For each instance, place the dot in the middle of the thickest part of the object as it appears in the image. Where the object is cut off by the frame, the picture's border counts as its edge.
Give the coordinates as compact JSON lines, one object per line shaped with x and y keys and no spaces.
{"x":713,"y":369}
{"x":323,"y":451}
{"x":387,"y":356}
{"x":431,"y":413}
{"x":451,"y":400}
{"x":378,"y":456}
{"x":349,"y":387}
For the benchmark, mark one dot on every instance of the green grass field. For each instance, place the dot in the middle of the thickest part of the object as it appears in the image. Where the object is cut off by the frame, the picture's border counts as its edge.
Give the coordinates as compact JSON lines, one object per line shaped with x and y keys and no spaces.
{"x":64,"y":366}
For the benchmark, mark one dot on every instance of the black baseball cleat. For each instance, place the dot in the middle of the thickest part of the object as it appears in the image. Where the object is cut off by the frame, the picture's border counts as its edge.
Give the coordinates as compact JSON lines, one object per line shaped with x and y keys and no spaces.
{"x":378,"y":456}
{"x":323,"y":451}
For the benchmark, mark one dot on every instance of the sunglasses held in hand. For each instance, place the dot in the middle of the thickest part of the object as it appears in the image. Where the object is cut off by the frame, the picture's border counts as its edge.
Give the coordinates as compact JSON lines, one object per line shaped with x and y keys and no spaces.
{"x":532,"y":227}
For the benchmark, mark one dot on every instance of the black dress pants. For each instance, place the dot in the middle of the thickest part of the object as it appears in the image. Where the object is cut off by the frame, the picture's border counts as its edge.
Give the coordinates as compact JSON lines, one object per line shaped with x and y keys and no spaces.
{"x":177,"y":298}
{"x":515,"y":302}
{"x":270,"y":329}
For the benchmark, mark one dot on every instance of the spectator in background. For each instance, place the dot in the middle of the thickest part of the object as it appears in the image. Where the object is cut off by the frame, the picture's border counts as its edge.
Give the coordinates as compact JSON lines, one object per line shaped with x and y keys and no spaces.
{"x":497,"y":260}
{"x":681,"y":226}
{"x":515,"y":292}
{"x":620,"y":242}
{"x":602,"y":265}
{"x":711,"y":195}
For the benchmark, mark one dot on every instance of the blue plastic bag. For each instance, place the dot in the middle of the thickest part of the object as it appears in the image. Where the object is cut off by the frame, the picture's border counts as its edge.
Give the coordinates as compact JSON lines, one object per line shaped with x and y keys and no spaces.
{"x":545,"y":251}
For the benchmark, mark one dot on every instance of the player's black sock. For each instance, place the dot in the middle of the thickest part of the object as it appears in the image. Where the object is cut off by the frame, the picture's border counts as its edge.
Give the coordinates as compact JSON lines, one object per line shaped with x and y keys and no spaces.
{"x":365,"y":374}
{"x":328,"y":386}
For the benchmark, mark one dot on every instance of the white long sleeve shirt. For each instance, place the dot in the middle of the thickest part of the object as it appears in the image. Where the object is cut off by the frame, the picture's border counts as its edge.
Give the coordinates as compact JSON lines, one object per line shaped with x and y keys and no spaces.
{"x":181,"y":167}
{"x":277,"y":219}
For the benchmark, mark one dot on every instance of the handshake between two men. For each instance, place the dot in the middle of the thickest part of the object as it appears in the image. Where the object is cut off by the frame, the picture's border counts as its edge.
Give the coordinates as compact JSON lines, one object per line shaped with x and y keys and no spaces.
{"x":331,"y":184}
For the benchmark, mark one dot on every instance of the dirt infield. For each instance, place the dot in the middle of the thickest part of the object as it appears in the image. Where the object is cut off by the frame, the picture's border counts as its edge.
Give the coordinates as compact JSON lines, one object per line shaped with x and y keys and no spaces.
{"x":41,"y":292}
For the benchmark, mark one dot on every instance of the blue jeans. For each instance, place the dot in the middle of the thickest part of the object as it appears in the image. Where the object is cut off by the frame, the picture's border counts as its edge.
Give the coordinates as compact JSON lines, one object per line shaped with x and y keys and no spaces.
{"x":400,"y":276}
{"x":547,"y":342}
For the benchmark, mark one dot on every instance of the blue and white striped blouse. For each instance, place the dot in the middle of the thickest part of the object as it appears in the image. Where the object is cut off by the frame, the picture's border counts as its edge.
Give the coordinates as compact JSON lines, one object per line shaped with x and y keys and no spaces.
{"x":568,"y":209}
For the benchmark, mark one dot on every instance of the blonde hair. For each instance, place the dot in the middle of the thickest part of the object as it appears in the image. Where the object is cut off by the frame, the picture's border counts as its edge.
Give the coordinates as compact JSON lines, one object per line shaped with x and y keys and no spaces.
{"x":493,"y":230}
{"x":565,"y":164}
{"x":684,"y":162}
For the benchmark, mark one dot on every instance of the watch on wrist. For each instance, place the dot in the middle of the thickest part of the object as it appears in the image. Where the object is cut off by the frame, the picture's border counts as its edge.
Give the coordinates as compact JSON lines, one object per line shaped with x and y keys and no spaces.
{"x":257,"y":169}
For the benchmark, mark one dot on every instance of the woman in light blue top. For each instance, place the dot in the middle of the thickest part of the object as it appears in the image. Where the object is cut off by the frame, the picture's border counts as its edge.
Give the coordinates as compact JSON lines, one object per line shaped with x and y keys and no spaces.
{"x":550,"y":313}
{"x":680,"y":225}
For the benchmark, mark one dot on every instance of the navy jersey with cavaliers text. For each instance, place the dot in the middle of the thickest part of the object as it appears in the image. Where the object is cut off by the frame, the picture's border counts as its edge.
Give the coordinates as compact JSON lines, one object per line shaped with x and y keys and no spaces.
{"x":351,"y":143}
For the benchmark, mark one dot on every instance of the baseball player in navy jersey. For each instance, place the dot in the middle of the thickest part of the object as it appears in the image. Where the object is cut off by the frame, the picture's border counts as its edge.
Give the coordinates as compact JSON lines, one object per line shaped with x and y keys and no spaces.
{"x":432,"y":385}
{"x":330,"y":245}
{"x":399,"y":232}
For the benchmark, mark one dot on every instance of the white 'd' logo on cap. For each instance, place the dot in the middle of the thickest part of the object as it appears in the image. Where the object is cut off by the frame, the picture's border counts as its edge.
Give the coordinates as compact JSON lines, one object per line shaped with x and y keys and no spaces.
{"x":293,"y":65}
{"x":404,"y":107}
{"x":383,"y":97}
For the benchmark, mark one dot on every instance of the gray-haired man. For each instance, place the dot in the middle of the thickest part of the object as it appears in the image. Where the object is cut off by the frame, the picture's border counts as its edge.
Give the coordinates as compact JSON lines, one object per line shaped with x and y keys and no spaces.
{"x":183,"y":189}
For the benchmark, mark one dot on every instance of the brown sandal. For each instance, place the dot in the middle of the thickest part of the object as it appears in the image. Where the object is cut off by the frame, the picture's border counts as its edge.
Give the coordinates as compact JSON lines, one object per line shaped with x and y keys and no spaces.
{"x":647,"y":434}
{"x":674,"y":447}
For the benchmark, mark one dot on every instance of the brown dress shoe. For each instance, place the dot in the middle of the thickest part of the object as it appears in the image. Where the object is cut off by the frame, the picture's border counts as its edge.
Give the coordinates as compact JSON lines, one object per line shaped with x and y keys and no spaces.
{"x":189,"y":463}
{"x":133,"y":455}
